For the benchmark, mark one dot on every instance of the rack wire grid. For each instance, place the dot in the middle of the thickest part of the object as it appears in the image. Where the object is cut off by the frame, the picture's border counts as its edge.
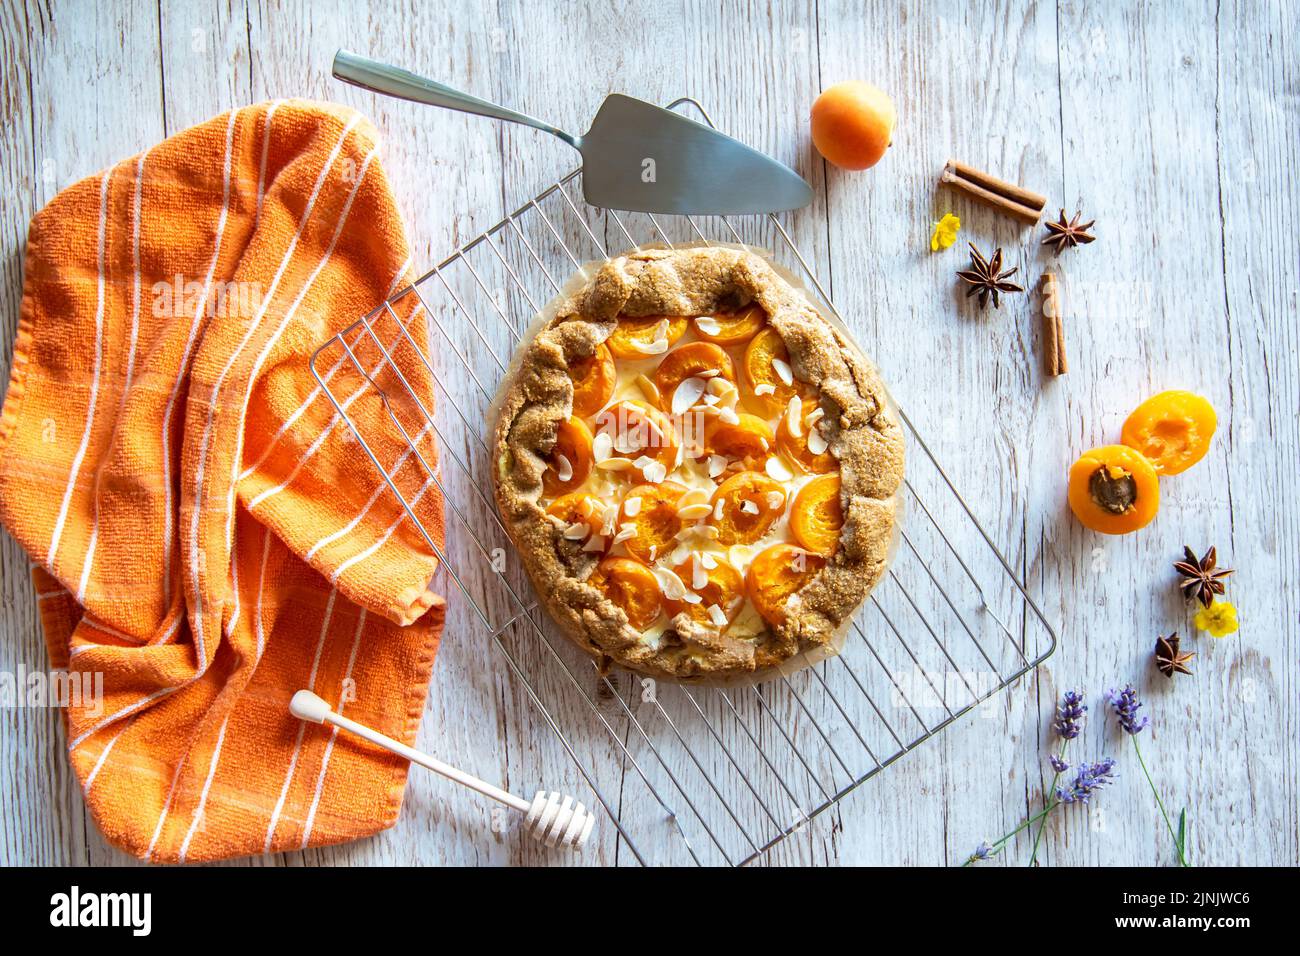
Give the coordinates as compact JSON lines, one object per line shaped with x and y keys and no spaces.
{"x":687,"y":774}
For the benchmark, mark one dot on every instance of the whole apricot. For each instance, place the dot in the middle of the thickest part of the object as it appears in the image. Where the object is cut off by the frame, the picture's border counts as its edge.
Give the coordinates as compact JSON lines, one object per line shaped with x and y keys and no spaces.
{"x":852,"y":124}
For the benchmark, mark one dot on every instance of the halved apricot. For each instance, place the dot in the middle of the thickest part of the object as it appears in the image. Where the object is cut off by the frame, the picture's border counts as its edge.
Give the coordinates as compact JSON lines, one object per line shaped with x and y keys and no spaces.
{"x":631,"y":586}
{"x":578,"y":508}
{"x":654,"y":514}
{"x":722,"y":586}
{"x":748,"y":440}
{"x":637,"y":429}
{"x":751,"y":503}
{"x":775,"y":574}
{"x":593,"y":382}
{"x":689,"y":361}
{"x":731,"y":328}
{"x":1172,"y":429}
{"x":1114,"y":489}
{"x":816,"y":515}
{"x":570,"y":460}
{"x":765,"y":369}
{"x":795,"y":447}
{"x":635,"y":337}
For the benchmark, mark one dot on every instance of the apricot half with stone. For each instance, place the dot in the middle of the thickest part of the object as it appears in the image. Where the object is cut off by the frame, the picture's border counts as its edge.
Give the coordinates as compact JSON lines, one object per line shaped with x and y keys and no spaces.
{"x":799,"y":448}
{"x":594,"y":378}
{"x":1114,"y":489}
{"x":1172,"y":429}
{"x":651,"y":511}
{"x":719,"y":586}
{"x":816,"y":515}
{"x":699,"y":361}
{"x":766,"y":372}
{"x":645,"y":336}
{"x":630,"y":585}
{"x":731,"y":328}
{"x":775,"y":574}
{"x":745,"y":507}
{"x":569,"y":462}
{"x":636,"y":430}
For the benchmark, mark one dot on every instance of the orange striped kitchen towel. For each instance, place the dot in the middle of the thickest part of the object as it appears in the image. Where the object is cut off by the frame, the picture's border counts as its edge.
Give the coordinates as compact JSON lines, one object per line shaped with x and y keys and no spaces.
{"x":207,"y":534}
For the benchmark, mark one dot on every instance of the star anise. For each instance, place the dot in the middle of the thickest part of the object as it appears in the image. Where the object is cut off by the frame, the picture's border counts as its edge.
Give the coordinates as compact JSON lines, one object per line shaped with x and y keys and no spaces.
{"x":1169,"y":659}
{"x":1068,"y":232}
{"x":987,"y":278}
{"x":1200,"y":579}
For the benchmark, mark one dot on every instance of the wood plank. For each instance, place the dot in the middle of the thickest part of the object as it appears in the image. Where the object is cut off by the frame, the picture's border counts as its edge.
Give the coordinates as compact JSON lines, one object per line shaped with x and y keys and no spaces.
{"x":1241,"y":794}
{"x":971,"y":384}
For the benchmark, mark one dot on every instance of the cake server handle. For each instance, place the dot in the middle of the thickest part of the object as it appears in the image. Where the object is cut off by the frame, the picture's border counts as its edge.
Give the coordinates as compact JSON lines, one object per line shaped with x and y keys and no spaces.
{"x":552,"y":818}
{"x":393,"y":81}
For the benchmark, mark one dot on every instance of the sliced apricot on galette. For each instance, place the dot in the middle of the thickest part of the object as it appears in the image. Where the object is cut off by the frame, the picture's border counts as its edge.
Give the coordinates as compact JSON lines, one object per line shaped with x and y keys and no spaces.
{"x":643,"y":336}
{"x":816,"y":515}
{"x":731,"y":328}
{"x":649,"y":520}
{"x":766,"y":372}
{"x":775,"y":574}
{"x":682,"y":378}
{"x":630,"y":585}
{"x":594,"y":378}
{"x":582,"y":516}
{"x":570,"y":461}
{"x":639,"y":434}
{"x":748,"y":440}
{"x":719,"y":586}
{"x":745,"y":507}
{"x":800,"y":440}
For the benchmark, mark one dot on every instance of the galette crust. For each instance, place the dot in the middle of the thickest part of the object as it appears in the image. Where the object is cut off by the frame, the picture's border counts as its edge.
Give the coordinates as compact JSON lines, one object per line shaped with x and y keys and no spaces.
{"x":859,"y":424}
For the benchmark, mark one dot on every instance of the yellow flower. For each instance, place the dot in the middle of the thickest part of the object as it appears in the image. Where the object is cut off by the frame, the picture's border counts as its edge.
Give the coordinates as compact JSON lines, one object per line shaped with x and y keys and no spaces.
{"x":945,"y":232}
{"x":1220,"y":619}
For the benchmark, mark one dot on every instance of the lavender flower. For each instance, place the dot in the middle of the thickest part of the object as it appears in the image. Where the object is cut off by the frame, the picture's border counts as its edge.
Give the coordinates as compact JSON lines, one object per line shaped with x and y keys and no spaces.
{"x":1087,"y":781}
{"x":1069,"y":715}
{"x":1126,"y":706}
{"x":1058,"y":764}
{"x":982,"y":852}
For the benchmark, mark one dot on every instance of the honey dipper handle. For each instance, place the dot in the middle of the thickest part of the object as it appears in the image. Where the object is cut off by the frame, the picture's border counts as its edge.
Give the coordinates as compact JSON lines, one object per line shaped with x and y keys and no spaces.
{"x":308,"y":706}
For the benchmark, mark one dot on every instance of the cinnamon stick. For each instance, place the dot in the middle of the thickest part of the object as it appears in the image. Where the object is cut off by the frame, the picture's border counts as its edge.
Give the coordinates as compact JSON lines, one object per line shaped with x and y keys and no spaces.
{"x":1053,"y":333}
{"x":997,"y":193}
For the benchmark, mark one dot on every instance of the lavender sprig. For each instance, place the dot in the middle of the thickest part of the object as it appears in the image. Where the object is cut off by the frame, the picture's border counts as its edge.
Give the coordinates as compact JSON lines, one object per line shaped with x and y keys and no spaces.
{"x":1126,"y":706}
{"x":982,"y":852}
{"x":1070,"y":713}
{"x":1101,"y":775}
{"x":1089,"y":779}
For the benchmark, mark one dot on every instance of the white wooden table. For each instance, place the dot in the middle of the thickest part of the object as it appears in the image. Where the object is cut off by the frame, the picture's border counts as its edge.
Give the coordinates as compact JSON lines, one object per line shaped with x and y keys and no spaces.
{"x":1176,"y":125}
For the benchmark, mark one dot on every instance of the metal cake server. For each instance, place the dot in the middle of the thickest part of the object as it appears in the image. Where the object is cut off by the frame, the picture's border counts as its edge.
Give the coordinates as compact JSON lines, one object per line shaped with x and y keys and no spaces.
{"x":636,"y":156}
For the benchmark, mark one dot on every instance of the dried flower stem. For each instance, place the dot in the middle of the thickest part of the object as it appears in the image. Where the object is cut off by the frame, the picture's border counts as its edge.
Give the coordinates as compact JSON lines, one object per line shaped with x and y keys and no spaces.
{"x":1033,"y":855}
{"x":1182,"y":859}
{"x":1030,"y":821}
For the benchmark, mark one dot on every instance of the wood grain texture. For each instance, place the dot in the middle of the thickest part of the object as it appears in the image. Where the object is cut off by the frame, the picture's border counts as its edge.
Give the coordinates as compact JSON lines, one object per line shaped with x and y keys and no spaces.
{"x":1176,"y":126}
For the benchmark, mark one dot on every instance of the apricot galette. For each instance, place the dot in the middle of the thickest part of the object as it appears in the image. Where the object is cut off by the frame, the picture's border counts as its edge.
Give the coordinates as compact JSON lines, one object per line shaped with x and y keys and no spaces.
{"x":699,"y":470}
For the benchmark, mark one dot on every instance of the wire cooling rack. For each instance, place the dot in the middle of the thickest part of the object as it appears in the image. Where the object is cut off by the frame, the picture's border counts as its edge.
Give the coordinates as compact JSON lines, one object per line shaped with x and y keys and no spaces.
{"x":685,"y":773}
